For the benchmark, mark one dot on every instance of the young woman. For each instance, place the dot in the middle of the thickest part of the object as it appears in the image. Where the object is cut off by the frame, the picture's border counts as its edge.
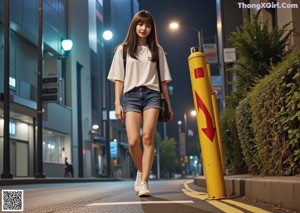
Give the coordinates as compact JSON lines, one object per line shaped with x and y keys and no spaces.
{"x":140,"y":89}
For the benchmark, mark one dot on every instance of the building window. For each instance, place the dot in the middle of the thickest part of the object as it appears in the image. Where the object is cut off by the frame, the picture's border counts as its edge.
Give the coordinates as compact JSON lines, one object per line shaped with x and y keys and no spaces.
{"x":12,"y":128}
{"x":55,"y":147}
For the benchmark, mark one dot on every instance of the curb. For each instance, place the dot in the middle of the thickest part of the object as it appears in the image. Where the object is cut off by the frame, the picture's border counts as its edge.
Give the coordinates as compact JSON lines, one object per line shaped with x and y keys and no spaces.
{"x":280,"y":191}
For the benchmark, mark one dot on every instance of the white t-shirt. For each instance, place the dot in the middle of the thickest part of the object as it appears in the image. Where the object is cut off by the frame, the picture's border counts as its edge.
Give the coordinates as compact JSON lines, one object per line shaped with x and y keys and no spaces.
{"x":141,"y":72}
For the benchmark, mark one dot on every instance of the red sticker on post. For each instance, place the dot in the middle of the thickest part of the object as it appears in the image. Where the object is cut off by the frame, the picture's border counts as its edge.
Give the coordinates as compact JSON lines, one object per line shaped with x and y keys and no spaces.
{"x":199,"y":72}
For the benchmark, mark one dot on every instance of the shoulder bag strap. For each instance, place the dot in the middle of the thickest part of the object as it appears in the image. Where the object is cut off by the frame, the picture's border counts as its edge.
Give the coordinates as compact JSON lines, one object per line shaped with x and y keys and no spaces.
{"x":158,"y":73}
{"x":124,"y":58}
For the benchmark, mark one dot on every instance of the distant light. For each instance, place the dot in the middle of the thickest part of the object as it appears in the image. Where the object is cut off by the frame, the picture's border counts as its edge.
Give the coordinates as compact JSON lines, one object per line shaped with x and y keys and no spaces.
{"x":193,"y":113}
{"x":67,"y":44}
{"x":107,"y":35}
{"x":171,"y":90}
{"x":112,"y":115}
{"x":12,"y":82}
{"x":95,"y":126}
{"x":174,"y":25}
{"x":190,"y":133}
{"x":179,"y":123}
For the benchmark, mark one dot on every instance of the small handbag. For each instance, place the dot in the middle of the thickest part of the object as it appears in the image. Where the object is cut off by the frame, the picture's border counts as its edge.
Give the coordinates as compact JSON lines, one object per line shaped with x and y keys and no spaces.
{"x":164,"y":114}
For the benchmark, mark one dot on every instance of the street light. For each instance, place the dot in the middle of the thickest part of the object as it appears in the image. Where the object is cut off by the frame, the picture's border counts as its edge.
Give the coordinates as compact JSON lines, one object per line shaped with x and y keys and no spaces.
{"x":67,"y":44}
{"x":179,"y":139}
{"x":107,"y":35}
{"x":187,"y":132}
{"x":95,"y":126}
{"x":176,"y":26}
{"x":6,"y":143}
{"x":193,"y":113}
{"x":39,"y":117}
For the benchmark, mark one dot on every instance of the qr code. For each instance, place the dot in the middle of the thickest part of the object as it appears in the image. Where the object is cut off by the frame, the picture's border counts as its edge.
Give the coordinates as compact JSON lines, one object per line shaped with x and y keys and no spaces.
{"x":12,"y":200}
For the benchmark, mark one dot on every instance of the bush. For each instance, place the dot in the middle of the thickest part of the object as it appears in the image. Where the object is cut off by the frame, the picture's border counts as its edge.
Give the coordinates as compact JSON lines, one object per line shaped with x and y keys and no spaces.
{"x":246,"y":135}
{"x":259,"y":49}
{"x":275,"y":106}
{"x":233,"y":157}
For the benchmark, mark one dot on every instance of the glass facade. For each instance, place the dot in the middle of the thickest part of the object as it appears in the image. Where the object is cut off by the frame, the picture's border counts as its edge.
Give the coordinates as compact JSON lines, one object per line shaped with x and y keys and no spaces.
{"x":55,"y":147}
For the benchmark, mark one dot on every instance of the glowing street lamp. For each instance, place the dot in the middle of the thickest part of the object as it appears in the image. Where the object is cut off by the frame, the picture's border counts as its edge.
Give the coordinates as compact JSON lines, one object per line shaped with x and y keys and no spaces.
{"x":193,"y":113}
{"x":107,"y":35}
{"x":67,"y":44}
{"x":176,"y":26}
{"x":95,"y":126}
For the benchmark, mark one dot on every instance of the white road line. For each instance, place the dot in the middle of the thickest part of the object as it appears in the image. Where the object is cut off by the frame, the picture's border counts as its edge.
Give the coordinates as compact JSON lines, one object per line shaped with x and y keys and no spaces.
{"x":140,"y":203}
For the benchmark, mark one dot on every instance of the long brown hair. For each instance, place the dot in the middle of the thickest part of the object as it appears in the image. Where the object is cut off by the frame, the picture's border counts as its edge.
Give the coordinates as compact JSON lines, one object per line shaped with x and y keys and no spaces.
{"x":131,"y":39}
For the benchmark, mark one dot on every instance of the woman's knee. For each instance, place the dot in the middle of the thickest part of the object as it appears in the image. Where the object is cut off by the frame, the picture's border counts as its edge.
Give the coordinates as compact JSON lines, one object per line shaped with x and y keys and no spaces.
{"x":133,"y":143}
{"x":147,"y":139}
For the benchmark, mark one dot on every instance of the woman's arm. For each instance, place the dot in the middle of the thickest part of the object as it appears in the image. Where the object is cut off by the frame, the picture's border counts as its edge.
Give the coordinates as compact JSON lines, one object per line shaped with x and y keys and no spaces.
{"x":118,"y":107}
{"x":165,"y":91}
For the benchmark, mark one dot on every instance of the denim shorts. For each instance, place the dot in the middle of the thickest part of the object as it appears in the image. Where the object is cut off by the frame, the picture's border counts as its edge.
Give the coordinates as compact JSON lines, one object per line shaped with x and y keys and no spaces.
{"x":140,"y":99}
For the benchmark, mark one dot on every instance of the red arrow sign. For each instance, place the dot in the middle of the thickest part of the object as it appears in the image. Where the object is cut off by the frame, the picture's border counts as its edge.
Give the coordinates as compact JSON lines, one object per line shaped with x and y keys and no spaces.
{"x":210,"y":130}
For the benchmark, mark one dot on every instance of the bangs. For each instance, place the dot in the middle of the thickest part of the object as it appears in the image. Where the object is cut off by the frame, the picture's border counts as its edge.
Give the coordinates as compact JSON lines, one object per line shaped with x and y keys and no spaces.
{"x":145,"y":20}
{"x":145,"y":17}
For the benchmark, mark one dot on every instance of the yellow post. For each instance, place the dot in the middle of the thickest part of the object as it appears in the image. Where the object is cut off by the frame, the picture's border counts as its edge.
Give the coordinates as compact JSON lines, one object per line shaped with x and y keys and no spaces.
{"x":206,"y":126}
{"x":209,"y":78}
{"x":217,"y":122}
{"x":216,"y":115}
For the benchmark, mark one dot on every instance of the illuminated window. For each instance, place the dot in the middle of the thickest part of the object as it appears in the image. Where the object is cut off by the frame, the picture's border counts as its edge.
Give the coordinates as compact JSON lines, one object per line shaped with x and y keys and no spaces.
{"x":12,"y":82}
{"x":12,"y":128}
{"x":53,"y":144}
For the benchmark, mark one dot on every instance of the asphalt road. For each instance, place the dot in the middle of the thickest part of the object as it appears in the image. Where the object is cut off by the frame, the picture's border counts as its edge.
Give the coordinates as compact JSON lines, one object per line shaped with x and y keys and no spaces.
{"x":174,"y":196}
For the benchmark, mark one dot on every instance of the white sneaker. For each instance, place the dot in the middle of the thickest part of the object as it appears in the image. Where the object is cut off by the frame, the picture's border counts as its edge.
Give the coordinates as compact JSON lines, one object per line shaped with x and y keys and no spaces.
{"x":138,"y":181}
{"x":144,"y":190}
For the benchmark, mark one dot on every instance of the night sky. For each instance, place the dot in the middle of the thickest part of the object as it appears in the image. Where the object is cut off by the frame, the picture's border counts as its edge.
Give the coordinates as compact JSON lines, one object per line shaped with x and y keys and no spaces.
{"x":199,"y":14}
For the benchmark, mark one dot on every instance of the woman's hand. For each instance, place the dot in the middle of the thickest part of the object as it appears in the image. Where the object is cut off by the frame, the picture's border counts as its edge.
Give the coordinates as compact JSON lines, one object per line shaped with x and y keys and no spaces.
{"x":170,"y":113}
{"x":120,"y":115}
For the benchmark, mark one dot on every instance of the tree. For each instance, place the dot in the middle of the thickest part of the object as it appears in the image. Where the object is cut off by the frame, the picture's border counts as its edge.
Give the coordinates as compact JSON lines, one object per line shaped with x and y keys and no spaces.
{"x":168,"y":158}
{"x":259,"y":49}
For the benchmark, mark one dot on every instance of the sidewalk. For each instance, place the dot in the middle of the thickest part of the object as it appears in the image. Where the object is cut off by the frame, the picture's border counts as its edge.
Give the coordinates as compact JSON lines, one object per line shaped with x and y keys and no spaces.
{"x":32,"y":180}
{"x":281,"y":191}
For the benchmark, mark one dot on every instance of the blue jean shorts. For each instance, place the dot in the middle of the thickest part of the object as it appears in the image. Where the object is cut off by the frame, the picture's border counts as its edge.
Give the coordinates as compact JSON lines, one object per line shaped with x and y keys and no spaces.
{"x":140,"y":99}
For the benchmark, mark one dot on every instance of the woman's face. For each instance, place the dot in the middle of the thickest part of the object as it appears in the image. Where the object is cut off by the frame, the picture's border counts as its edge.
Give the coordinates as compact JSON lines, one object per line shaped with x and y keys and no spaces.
{"x":143,"y":30}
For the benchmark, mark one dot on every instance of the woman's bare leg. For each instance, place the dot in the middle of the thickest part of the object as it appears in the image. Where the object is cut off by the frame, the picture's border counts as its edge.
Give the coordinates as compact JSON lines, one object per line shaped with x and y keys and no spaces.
{"x":133,"y":124}
{"x":149,"y":128}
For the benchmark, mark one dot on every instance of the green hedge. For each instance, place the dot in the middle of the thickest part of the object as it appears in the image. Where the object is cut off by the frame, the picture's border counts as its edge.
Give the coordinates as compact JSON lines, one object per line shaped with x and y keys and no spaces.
{"x":275,"y":107}
{"x":233,"y":156}
{"x":246,"y":136}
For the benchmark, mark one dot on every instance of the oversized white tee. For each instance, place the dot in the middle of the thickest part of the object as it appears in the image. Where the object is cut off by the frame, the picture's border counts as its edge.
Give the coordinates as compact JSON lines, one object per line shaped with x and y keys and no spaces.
{"x":141,"y":71}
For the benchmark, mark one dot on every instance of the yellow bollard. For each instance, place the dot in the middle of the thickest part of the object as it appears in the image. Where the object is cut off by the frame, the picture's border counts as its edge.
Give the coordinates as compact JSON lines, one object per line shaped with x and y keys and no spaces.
{"x":217,"y":122}
{"x":206,"y":125}
{"x":216,"y":115}
{"x":209,"y":78}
